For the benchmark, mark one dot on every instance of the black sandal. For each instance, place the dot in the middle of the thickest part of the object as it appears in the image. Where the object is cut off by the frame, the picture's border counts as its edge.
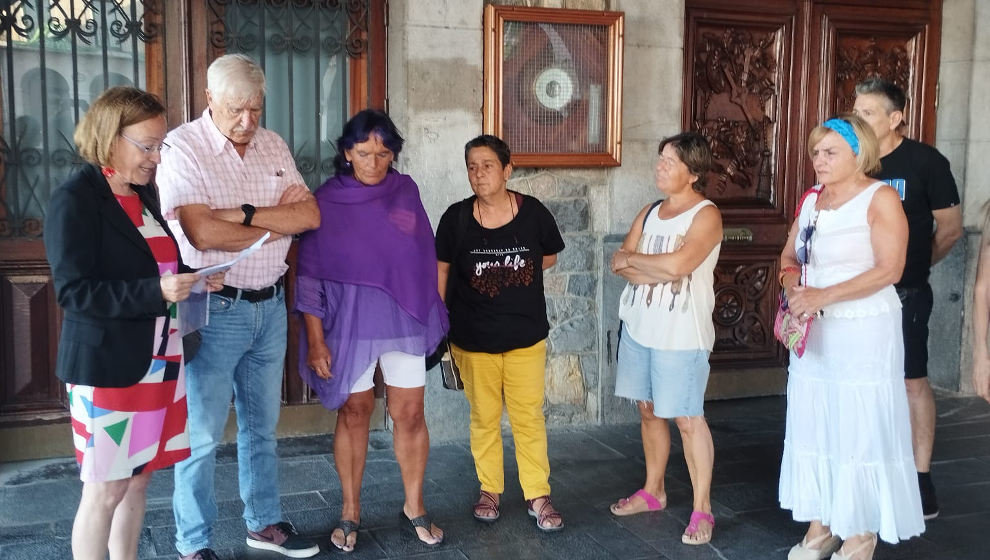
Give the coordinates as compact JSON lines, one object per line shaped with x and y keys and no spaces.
{"x":347,"y":527}
{"x":423,"y":521}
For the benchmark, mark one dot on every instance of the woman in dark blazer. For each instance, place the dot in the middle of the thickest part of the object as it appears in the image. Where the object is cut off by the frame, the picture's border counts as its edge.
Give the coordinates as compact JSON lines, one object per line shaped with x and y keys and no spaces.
{"x":118,"y":277}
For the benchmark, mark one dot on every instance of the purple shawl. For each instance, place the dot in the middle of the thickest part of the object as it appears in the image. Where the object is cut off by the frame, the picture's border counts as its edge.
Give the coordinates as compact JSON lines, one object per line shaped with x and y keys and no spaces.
{"x":361,"y":227}
{"x":370,"y":273}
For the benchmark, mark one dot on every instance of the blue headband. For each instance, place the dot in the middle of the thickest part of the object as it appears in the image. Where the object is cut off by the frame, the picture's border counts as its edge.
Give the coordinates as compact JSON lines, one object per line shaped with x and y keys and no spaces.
{"x":844,"y":130}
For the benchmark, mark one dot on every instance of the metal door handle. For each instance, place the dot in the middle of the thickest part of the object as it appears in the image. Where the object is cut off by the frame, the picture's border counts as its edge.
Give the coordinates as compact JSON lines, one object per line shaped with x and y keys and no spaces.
{"x":737,"y":235}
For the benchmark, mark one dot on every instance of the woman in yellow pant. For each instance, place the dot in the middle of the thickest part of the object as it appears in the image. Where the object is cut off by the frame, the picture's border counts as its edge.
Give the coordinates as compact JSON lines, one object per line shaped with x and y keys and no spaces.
{"x":492,"y":249}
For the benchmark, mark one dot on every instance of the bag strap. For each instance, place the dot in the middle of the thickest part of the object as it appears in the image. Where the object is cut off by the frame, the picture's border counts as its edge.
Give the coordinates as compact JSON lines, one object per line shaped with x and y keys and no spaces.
{"x":803,"y":281}
{"x":650,"y":211}
{"x":805,"y":195}
{"x":463,"y":215}
{"x":646,"y":216}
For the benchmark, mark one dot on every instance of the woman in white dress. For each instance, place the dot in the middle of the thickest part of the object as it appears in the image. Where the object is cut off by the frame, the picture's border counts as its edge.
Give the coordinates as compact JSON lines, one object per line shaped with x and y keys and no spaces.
{"x":847,"y":465}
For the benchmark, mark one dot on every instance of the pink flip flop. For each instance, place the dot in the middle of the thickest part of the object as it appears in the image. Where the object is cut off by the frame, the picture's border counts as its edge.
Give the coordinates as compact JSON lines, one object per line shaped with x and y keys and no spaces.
{"x":652,"y":504}
{"x":692,"y":528}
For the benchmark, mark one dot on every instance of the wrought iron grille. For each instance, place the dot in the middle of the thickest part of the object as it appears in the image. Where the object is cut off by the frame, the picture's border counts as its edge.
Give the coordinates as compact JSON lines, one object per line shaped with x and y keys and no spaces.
{"x":305,"y":47}
{"x":55,"y":57}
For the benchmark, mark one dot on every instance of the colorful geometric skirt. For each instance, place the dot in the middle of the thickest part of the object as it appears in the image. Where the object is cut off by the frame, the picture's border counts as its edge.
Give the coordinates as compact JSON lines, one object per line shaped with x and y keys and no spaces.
{"x":119,"y":432}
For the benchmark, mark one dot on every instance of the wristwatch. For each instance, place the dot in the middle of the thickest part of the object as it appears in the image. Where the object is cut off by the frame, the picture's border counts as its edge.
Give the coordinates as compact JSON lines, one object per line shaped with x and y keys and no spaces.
{"x":248,"y":210}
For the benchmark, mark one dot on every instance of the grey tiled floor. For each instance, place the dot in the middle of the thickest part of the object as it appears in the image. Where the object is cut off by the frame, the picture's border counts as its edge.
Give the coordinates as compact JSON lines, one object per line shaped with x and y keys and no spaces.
{"x":591,"y":467}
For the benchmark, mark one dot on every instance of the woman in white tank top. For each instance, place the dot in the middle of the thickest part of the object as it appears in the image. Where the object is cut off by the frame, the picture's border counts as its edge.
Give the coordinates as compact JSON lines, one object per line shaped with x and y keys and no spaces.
{"x":669,"y":259}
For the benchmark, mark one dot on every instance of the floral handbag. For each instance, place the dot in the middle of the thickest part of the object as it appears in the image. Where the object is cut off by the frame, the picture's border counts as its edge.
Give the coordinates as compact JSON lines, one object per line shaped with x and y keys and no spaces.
{"x":790,"y":331}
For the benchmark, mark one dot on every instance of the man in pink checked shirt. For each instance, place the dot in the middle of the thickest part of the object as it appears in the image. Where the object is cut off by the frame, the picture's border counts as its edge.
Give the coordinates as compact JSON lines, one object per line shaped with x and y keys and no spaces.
{"x":224,"y":183}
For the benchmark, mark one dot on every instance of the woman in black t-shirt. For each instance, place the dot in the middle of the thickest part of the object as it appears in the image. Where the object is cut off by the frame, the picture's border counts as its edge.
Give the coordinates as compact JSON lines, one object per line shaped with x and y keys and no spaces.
{"x":492,"y":249}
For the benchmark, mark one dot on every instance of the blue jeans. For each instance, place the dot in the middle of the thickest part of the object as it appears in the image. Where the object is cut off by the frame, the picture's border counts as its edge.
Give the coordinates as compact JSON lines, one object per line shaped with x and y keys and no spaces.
{"x":242,"y":354}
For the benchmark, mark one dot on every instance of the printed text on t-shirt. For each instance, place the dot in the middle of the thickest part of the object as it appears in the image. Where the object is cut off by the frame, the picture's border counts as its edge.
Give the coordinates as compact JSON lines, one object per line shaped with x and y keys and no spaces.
{"x":503,"y":268}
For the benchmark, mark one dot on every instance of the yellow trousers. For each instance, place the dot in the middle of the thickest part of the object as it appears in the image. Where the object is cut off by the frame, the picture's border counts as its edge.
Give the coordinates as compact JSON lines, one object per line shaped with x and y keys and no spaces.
{"x":515,"y":378}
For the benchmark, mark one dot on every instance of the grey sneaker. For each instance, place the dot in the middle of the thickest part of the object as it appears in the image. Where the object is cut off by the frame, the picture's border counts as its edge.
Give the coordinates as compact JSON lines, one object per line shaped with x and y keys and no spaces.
{"x":282,"y":538}
{"x":201,"y":554}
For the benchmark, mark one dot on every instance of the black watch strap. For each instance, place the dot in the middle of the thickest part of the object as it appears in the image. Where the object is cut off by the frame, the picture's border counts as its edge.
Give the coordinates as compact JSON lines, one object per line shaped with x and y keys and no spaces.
{"x":248,"y":210}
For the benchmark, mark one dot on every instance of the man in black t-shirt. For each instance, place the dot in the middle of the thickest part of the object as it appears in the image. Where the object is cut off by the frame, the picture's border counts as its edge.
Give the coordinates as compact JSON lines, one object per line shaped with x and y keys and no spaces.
{"x":922,"y":177}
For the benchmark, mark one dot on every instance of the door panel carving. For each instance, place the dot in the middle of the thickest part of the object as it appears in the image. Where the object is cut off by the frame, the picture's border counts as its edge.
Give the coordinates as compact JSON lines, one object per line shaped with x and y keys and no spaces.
{"x":901,"y":47}
{"x":735,"y":104}
{"x":745,"y":288}
{"x":858,"y":58}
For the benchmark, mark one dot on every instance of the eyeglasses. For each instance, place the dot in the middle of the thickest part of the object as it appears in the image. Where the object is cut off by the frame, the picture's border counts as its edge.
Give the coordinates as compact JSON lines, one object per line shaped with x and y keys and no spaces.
{"x":160,"y":148}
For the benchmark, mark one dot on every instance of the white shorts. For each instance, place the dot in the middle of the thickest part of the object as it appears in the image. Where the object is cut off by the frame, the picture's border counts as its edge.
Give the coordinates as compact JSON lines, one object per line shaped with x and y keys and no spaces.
{"x":399,"y":370}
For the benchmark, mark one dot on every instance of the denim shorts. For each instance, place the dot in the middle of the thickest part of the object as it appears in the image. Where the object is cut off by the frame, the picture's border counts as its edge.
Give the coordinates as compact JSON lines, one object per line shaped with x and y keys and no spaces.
{"x":673,"y":380}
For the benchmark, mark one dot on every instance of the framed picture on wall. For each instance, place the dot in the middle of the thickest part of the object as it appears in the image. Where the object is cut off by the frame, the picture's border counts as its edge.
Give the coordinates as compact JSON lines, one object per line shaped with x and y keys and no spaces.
{"x":553,"y":85}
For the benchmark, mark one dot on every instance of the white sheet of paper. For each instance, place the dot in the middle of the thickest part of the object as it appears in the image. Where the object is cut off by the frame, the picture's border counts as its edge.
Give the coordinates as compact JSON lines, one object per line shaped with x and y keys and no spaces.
{"x":200,"y":286}
{"x":194,"y":311}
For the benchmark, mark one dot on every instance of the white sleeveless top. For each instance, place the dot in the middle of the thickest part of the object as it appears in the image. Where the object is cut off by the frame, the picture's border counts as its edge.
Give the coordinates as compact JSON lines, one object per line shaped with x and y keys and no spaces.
{"x":840,"y":250}
{"x":672,"y":315}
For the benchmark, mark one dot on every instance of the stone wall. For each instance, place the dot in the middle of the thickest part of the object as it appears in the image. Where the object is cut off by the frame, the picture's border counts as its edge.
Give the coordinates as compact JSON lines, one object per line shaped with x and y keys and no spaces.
{"x":572,"y":297}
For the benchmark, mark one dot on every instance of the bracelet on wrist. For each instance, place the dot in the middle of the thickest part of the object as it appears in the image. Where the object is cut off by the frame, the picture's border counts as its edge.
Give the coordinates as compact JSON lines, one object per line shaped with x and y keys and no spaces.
{"x":785,"y":271}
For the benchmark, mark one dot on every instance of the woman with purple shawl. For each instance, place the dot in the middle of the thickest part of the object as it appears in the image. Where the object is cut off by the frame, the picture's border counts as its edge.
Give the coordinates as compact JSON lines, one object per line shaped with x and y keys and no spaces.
{"x":367,"y":291}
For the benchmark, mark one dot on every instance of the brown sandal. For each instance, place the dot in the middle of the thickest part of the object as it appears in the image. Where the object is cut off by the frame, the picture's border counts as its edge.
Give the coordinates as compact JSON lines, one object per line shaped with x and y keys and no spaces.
{"x":546,"y":513}
{"x":487,"y":503}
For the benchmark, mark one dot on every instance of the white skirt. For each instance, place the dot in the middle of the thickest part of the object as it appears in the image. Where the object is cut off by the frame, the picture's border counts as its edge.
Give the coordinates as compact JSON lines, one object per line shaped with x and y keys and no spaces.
{"x":847,"y":450}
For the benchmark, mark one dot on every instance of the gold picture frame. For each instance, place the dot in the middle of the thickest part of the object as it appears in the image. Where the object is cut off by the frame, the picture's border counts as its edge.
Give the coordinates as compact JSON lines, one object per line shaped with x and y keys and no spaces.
{"x":553,"y":85}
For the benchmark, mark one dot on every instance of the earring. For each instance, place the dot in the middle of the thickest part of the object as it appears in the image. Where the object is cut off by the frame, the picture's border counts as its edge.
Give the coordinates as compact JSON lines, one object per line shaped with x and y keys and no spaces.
{"x":108,"y":171}
{"x":348,"y":163}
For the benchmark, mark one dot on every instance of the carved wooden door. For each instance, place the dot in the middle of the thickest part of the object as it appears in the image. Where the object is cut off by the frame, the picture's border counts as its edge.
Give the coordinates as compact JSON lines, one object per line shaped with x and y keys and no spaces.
{"x":758,"y":76}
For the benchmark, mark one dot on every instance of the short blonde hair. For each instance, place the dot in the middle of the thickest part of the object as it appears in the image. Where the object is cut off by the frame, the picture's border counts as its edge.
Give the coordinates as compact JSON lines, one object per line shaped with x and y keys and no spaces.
{"x":114,"y":110}
{"x":235,"y":77}
{"x":868,"y":159}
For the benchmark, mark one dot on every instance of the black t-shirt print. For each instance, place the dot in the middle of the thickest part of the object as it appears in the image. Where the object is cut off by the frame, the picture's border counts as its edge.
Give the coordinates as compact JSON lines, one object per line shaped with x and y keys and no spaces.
{"x":495,"y":269}
{"x":923,"y":179}
{"x":495,"y":286}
